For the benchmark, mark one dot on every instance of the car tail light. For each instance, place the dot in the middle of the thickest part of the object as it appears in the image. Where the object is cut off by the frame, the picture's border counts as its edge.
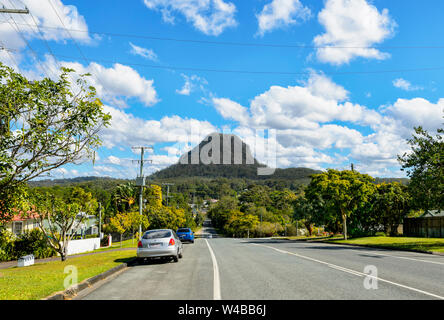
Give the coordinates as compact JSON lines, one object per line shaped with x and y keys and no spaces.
{"x":172,"y":242}
{"x":139,"y":245}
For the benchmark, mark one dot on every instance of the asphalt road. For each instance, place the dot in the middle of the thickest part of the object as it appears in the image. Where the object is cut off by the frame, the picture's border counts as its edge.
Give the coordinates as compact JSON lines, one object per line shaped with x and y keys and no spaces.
{"x":250,"y":269}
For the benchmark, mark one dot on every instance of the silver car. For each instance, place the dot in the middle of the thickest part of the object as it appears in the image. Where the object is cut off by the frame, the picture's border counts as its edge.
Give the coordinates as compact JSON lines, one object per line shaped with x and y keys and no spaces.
{"x":160,"y":243}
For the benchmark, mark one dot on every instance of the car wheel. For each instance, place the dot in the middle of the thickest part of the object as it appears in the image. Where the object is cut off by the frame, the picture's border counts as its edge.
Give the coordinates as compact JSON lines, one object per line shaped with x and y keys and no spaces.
{"x":180,"y":255}
{"x":192,"y":241}
{"x":176,"y":258}
{"x":140,"y":260}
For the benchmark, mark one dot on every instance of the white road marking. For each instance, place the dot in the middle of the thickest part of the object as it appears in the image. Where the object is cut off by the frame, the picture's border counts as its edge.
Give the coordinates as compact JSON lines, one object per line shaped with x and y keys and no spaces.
{"x":357,"y":273}
{"x":378,"y":252}
{"x":216,"y":279}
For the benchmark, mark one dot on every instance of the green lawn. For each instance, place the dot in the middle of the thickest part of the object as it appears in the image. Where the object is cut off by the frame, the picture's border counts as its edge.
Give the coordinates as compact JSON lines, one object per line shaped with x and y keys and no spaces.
{"x":43,"y":279}
{"x":418,"y":244}
{"x":125,"y":244}
{"x":312,"y":238}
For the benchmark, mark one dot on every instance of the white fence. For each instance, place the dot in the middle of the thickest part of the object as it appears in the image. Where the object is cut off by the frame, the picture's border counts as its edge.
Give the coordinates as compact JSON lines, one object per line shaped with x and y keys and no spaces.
{"x":84,"y":245}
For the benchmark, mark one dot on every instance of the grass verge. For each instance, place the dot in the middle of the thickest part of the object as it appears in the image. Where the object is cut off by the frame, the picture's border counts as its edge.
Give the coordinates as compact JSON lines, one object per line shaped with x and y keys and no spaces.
{"x":402,"y":243}
{"x":41,"y":280}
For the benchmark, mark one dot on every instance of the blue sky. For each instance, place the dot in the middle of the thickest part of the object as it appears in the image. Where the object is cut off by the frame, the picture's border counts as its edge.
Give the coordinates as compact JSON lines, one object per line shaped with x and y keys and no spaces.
{"x":326,"y":85}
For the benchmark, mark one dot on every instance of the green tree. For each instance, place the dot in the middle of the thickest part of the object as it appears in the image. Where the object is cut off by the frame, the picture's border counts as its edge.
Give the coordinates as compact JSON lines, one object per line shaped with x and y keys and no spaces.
{"x":120,"y":224}
{"x":308,"y":212}
{"x":241,"y":224}
{"x":165,"y":217}
{"x":44,"y":124}
{"x":134,"y":220}
{"x":124,"y":197}
{"x":342,"y":192}
{"x":392,"y":204}
{"x":57,"y":218}
{"x":425,"y":168}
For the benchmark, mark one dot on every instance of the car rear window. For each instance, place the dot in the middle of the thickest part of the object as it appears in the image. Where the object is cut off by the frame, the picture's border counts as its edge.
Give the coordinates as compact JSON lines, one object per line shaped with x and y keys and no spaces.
{"x":156,"y":234}
{"x":183,"y":230}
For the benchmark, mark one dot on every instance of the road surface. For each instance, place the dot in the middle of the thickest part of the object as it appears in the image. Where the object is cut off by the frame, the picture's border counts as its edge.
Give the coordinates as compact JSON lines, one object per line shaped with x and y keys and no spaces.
{"x":250,"y":269}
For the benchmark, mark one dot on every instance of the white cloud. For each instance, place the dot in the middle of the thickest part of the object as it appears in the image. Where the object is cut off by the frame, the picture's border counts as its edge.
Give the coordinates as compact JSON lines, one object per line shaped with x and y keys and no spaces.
{"x":415,"y":112}
{"x":211,"y":17}
{"x":143,"y":52}
{"x":44,"y":16}
{"x":318,"y":101}
{"x":231,"y":110}
{"x":114,"y":160}
{"x":114,"y":84}
{"x":281,"y":13}
{"x":405,"y":85}
{"x":128,"y":130}
{"x":191,"y":83}
{"x":356,"y":25}
{"x":316,"y":126}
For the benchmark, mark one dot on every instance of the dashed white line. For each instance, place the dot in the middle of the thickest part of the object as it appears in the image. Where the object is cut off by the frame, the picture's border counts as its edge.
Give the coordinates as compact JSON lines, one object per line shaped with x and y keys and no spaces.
{"x":357,"y":273}
{"x":216,"y":278}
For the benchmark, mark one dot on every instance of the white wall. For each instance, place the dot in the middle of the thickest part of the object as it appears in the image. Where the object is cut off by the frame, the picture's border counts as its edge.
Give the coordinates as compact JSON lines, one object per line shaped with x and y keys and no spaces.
{"x":84,"y":245}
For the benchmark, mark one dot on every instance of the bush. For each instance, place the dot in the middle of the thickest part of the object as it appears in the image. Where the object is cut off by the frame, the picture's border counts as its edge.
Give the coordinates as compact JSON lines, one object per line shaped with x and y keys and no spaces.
{"x":7,"y":240}
{"x":33,"y":242}
{"x":30,"y":242}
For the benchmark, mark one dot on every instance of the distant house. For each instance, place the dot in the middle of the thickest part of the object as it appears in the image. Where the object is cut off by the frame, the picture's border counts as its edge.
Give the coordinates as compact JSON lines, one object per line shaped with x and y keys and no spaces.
{"x":433,"y":213}
{"x":20,"y":223}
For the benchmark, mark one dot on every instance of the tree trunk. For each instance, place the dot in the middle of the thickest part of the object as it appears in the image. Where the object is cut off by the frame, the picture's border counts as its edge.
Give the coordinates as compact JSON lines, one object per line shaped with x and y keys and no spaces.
{"x":63,"y":253}
{"x":121,"y":240}
{"x":344,"y":225}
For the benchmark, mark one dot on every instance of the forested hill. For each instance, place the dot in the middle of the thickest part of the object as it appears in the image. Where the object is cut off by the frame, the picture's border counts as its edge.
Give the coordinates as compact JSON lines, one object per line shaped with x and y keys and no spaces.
{"x":102,"y":182}
{"x":243,"y":171}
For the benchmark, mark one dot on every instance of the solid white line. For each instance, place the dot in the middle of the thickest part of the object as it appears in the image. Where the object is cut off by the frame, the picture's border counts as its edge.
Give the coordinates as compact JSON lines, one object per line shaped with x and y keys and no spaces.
{"x":216,"y":279}
{"x":357,"y":273}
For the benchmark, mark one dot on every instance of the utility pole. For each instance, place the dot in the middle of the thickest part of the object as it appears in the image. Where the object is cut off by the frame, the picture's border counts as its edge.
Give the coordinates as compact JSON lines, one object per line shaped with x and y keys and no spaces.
{"x":352,"y":167}
{"x":100,"y":220}
{"x":168,"y":191}
{"x":140,"y":180}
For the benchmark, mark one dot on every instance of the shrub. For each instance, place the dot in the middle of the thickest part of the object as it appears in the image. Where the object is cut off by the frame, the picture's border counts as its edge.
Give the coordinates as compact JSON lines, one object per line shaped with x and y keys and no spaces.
{"x":30,"y":242}
{"x":6,"y":245}
{"x":33,"y":242}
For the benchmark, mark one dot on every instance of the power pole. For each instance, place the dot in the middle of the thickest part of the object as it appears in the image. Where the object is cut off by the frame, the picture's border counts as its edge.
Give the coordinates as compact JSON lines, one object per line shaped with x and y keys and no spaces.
{"x":100,"y":220}
{"x":168,"y":191}
{"x":352,"y":167}
{"x":140,"y":180}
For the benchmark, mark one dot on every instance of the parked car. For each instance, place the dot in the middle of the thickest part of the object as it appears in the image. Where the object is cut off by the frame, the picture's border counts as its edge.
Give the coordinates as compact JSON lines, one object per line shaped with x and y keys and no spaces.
{"x":162,"y":243}
{"x":185,"y":234}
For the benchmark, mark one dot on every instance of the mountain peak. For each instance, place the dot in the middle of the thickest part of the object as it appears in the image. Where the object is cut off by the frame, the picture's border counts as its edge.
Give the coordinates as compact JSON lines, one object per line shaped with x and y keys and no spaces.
{"x":220,"y":148}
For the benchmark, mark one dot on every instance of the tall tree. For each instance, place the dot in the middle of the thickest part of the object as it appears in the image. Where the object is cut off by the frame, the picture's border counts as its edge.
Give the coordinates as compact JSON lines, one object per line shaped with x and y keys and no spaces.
{"x":342,"y":192}
{"x":392,"y":203}
{"x":44,"y":124}
{"x":59,"y":218}
{"x":425,"y":168}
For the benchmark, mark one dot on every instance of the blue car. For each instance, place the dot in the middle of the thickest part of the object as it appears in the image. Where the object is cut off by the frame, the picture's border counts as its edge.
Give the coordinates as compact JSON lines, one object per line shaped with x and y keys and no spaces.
{"x":185,"y":234}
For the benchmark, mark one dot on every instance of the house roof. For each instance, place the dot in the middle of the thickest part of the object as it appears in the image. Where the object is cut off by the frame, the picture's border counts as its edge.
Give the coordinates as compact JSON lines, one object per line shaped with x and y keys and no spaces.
{"x":20,"y":217}
{"x":433,"y":213}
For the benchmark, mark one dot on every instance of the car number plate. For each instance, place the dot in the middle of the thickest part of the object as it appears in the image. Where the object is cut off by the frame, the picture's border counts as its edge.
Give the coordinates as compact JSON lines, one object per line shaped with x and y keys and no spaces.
{"x":155,"y":245}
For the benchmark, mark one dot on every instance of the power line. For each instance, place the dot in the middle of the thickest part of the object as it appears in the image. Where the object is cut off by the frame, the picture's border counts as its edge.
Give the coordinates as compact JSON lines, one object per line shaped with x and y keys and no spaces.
{"x":17,"y":29}
{"x":245,"y":44}
{"x":256,"y":72}
{"x":400,"y":70}
{"x":41,"y":33}
{"x":78,"y":48}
